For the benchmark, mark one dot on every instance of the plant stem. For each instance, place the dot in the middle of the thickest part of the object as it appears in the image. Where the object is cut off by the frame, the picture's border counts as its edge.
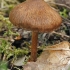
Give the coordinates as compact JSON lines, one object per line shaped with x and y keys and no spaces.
{"x":34,"y":46}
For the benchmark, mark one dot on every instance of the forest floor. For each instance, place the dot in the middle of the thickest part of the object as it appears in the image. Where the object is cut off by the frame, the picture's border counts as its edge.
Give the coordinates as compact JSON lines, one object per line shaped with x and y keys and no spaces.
{"x":14,"y":51}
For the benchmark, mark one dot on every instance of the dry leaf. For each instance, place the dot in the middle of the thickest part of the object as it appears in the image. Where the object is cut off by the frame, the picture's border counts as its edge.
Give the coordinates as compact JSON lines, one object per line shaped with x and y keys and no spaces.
{"x":56,"y":57}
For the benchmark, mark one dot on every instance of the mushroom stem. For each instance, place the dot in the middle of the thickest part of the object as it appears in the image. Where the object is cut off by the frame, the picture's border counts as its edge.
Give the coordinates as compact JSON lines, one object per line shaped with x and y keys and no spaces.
{"x":34,"y":46}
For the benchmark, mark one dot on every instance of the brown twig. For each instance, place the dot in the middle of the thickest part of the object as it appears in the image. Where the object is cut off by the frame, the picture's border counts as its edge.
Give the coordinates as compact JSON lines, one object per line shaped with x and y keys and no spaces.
{"x":63,"y":35}
{"x":60,"y":4}
{"x":66,"y":19}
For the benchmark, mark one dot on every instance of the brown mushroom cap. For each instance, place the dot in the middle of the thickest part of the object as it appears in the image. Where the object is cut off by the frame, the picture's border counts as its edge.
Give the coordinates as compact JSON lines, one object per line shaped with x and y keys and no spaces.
{"x":35,"y":15}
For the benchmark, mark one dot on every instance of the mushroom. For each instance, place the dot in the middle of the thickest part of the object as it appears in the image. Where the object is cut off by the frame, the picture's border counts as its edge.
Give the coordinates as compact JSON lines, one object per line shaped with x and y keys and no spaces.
{"x":37,"y":16}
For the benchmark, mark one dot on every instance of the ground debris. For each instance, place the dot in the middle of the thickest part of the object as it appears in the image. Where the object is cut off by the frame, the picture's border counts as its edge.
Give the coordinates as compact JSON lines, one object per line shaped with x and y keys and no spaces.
{"x":53,"y":57}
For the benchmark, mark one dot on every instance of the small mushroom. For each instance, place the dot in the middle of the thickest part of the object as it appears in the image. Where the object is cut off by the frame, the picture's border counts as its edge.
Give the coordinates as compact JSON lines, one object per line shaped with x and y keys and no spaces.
{"x":37,"y":16}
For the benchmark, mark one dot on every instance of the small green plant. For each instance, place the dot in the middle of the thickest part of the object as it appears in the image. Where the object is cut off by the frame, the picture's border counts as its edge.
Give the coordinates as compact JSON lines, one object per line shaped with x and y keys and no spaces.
{"x":7,"y":50}
{"x":6,"y":24}
{"x":3,"y":65}
{"x":64,"y":13}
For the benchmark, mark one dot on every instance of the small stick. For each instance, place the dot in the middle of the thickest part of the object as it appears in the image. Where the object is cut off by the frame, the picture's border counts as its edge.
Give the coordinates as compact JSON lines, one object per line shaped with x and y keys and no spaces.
{"x":59,"y":4}
{"x":61,"y":34}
